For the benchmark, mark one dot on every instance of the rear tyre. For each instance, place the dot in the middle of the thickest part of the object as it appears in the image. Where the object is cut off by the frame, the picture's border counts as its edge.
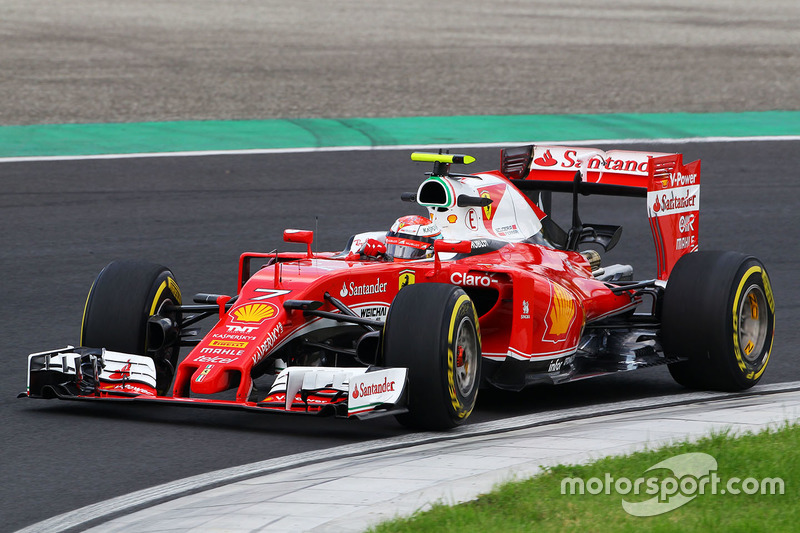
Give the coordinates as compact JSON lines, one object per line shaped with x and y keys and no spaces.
{"x":432,"y":329}
{"x":719,"y":311}
{"x":121,"y":300}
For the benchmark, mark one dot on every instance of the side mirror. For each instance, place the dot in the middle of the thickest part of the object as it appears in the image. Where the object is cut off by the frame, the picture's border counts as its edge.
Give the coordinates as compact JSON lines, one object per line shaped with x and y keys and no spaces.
{"x":300,"y":235}
{"x":442,"y":245}
{"x":458,"y":247}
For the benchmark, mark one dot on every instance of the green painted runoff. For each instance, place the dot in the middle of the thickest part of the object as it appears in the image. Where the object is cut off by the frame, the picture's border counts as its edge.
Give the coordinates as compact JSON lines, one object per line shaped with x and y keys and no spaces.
{"x":198,"y":136}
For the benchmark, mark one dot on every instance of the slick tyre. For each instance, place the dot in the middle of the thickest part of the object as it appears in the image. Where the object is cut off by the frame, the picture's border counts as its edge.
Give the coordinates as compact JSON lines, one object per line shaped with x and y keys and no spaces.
{"x":719,"y":312}
{"x":432,"y":329}
{"x":121,"y":300}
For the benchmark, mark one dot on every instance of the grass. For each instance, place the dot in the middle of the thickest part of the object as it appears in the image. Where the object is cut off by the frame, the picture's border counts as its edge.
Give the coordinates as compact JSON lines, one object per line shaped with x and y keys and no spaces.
{"x":538,"y":505}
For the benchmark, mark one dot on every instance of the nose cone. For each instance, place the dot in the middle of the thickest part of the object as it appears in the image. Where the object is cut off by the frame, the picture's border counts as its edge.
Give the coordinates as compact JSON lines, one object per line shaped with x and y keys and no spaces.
{"x":212,"y":378}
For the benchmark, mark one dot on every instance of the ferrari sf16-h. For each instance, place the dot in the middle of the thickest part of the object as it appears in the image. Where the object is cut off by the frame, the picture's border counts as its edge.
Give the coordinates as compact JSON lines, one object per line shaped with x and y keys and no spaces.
{"x":486,"y":291}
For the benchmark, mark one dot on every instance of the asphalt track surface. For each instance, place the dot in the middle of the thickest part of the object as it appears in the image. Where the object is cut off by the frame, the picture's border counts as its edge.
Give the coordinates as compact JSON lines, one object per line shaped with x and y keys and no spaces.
{"x":63,"y":221}
{"x":105,"y":61}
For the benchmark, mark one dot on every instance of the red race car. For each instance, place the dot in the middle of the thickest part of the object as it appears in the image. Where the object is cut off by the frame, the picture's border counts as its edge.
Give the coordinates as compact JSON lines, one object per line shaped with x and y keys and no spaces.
{"x":486,"y":291}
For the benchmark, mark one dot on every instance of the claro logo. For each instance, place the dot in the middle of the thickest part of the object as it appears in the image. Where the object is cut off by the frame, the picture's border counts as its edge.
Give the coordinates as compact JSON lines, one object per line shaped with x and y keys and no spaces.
{"x":365,"y":389}
{"x":472,"y":279}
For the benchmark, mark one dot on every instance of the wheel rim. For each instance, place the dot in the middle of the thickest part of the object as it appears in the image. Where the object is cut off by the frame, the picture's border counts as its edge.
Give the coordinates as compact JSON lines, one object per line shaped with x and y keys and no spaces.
{"x":753,"y":323}
{"x":466,"y":357}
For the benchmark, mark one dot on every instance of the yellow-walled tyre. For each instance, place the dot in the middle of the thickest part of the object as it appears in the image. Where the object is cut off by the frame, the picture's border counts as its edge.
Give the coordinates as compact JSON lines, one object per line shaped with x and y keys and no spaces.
{"x":719,"y":311}
{"x":121,"y":300}
{"x":432,"y":329}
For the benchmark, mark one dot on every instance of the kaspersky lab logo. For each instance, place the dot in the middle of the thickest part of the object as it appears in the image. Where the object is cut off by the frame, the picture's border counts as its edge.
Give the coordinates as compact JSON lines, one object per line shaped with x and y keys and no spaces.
{"x":672,"y":483}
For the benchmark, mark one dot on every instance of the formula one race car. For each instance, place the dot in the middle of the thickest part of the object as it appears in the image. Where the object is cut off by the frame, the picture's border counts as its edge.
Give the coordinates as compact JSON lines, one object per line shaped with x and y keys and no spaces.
{"x":486,"y":291}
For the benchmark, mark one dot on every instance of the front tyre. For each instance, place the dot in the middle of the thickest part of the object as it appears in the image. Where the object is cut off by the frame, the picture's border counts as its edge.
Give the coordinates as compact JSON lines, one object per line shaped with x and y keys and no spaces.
{"x":432,"y":329}
{"x":719,"y":311}
{"x":120,"y":302}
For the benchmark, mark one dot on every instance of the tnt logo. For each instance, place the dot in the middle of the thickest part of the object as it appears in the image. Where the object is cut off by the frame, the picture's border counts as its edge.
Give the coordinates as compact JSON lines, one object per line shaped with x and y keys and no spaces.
{"x":240,"y":329}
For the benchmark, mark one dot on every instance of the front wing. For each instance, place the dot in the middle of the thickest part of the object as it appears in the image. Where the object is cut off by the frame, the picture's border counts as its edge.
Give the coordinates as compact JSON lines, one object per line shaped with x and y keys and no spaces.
{"x":103,"y":375}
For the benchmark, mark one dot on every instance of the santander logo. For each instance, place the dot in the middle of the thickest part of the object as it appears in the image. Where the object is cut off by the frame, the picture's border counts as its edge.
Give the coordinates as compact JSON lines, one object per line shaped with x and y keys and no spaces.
{"x":676,"y":202}
{"x":362,"y":290}
{"x":122,"y":373}
{"x":365,"y":389}
{"x":546,"y":160}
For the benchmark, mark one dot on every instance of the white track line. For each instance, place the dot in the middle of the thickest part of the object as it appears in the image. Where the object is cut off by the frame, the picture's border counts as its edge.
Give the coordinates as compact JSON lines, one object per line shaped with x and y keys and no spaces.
{"x":264,"y":151}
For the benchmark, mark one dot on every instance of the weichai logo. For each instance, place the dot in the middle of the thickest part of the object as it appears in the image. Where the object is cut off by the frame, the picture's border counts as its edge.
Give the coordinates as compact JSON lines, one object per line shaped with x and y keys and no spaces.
{"x":255,"y":313}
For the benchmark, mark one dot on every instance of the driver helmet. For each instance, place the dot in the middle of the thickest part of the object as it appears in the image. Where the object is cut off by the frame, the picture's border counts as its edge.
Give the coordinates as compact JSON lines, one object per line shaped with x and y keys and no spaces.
{"x":411,"y":237}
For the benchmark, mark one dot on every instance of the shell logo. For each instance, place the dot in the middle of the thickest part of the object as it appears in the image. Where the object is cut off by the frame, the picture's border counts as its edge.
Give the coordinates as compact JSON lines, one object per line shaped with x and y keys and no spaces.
{"x":254,"y":312}
{"x":561,"y":314}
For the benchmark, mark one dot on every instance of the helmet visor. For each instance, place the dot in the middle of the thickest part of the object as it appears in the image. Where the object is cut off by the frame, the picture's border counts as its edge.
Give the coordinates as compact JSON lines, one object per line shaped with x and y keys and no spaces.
{"x":403,"y":246}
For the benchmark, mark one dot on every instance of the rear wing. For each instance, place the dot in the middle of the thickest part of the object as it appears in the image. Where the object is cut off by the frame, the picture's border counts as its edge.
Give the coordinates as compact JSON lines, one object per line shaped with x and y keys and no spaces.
{"x":671,"y":188}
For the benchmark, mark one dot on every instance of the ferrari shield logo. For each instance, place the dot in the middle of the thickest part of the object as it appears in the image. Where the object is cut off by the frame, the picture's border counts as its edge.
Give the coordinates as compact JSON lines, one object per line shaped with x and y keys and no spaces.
{"x":494,"y":193}
{"x":487,"y":210}
{"x":407,"y":277}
